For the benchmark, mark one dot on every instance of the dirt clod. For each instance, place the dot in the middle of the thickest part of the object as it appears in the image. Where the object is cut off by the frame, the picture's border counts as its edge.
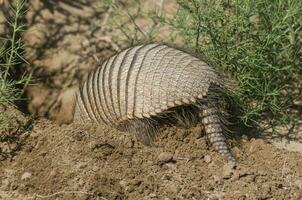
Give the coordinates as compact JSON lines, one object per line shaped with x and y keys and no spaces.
{"x":25,"y":176}
{"x":165,"y":157}
{"x":207,"y":158}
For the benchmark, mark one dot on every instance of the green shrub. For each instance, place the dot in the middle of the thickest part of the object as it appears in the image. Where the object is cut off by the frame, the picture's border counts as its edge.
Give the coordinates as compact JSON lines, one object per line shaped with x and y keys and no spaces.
{"x":258,"y":43}
{"x":11,"y":83}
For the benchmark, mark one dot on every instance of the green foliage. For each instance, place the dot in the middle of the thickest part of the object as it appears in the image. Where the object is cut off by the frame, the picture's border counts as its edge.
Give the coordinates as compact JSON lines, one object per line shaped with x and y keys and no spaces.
{"x":257,"y":42}
{"x":11,"y":59}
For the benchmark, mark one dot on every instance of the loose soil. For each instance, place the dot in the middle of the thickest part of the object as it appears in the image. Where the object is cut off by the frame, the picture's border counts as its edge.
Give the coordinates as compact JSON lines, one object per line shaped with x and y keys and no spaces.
{"x":83,"y":162}
{"x":52,"y":160}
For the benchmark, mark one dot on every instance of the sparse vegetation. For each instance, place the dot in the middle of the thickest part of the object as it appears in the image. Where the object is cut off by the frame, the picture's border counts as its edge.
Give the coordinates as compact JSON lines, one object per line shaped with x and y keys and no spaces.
{"x":127,"y":18}
{"x":258,"y":42}
{"x":10,"y":60}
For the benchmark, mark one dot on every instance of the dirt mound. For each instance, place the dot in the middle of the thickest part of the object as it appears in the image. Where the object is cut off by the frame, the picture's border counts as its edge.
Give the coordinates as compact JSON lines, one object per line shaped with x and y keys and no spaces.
{"x":78,"y":162}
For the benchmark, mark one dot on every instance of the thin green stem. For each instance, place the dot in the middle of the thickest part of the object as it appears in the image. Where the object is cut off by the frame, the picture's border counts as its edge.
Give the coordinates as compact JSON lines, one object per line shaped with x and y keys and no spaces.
{"x":13,"y":41}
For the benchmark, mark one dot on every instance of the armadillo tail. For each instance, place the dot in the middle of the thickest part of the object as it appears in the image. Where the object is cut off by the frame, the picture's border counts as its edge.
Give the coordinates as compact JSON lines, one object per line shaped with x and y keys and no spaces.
{"x":214,"y":130}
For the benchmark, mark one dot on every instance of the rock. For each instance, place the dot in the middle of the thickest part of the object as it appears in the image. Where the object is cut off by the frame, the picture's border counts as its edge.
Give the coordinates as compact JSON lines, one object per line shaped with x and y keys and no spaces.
{"x":25,"y":176}
{"x":172,"y":188}
{"x":244,"y":138}
{"x":207,"y":158}
{"x":152,"y":195}
{"x":165,"y":157}
{"x":123,"y":183}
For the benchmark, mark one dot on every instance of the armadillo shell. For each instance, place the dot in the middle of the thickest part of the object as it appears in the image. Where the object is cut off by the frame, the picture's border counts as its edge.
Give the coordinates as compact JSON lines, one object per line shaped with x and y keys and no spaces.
{"x":143,"y":81}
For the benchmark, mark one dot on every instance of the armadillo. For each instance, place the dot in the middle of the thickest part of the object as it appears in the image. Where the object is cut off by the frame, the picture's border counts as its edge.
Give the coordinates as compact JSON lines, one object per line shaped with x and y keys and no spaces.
{"x":137,"y":88}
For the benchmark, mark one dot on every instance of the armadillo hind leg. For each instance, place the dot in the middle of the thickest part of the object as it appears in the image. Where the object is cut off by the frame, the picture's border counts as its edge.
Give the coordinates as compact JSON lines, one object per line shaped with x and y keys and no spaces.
{"x":185,"y":116}
{"x":145,"y":130}
{"x":214,"y":130}
{"x":182,"y":116}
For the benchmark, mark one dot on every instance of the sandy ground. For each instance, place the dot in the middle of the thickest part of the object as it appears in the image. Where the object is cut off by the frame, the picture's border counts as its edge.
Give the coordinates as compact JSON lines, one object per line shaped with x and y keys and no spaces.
{"x":82,"y":162}
{"x":67,"y":39}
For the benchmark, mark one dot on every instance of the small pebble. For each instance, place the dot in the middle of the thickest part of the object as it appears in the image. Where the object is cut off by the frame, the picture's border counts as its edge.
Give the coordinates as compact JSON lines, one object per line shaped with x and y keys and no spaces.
{"x":123,"y":183}
{"x":25,"y":176}
{"x":172,"y":188}
{"x":152,"y":195}
{"x":165,"y":157}
{"x":207,"y":158}
{"x":244,"y":138}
